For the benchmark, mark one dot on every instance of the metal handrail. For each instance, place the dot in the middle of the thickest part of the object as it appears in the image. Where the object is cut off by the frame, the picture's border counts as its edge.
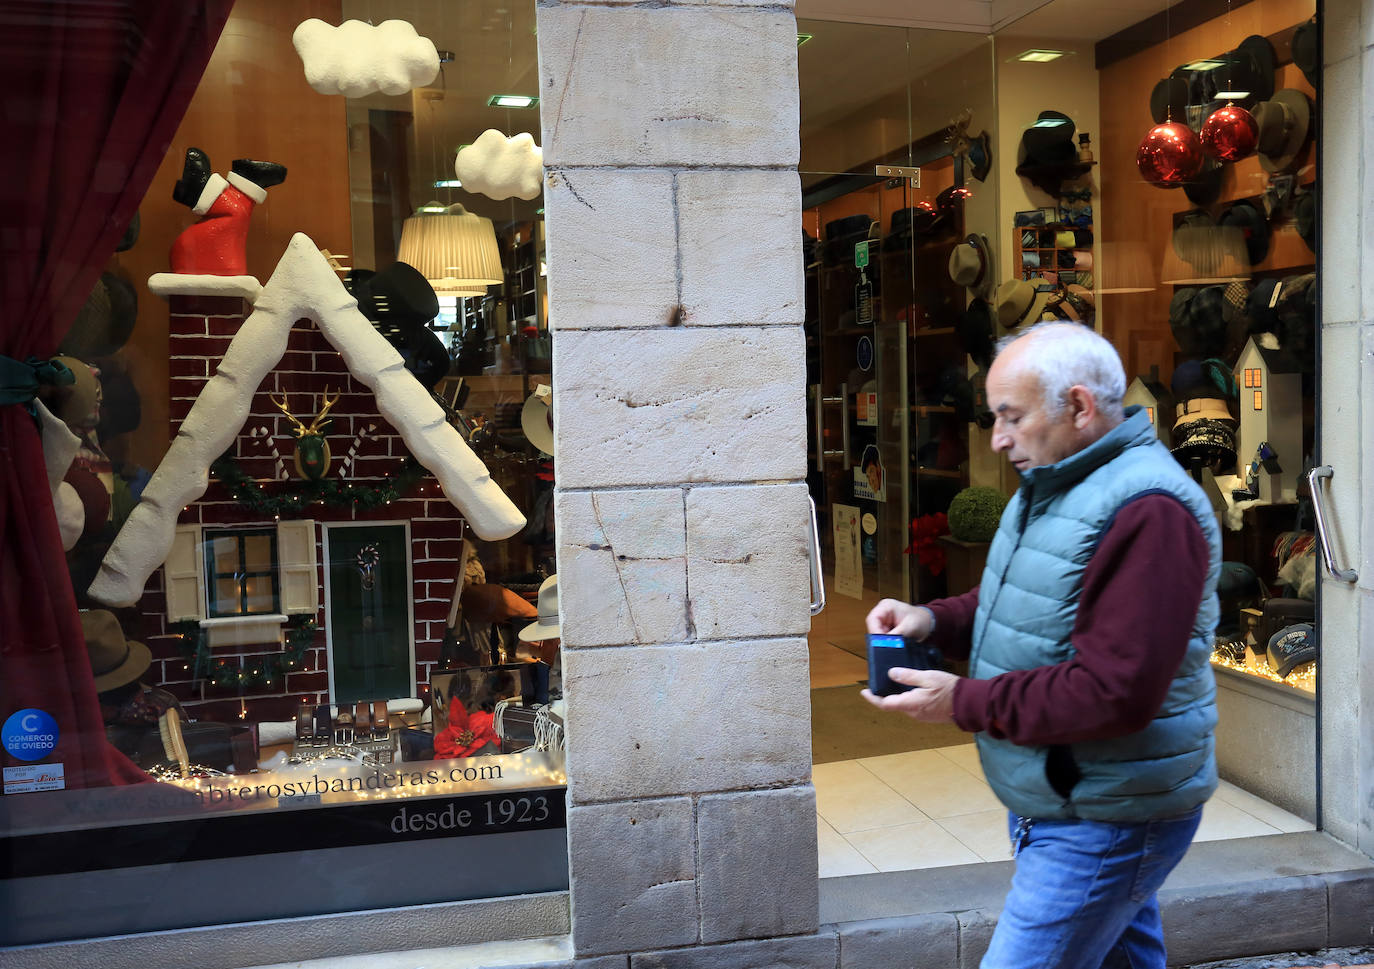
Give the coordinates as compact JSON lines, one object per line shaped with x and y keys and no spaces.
{"x":817,"y":579}
{"x":1314,"y":478}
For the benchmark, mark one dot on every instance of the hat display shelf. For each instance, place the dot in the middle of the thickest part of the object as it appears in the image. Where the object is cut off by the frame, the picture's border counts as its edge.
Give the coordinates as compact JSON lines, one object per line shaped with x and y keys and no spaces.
{"x":1058,"y":253}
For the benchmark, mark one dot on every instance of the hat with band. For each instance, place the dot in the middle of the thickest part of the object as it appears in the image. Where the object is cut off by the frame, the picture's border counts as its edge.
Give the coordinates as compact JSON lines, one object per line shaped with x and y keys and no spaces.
{"x":1019,"y":302}
{"x":115,"y":661}
{"x":547,"y":625}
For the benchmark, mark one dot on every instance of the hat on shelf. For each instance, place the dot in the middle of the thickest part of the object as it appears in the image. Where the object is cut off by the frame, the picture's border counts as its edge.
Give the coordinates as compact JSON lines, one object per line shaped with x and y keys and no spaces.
{"x":970,"y":262}
{"x":1209,"y":443}
{"x":1048,"y":141}
{"x":1019,"y":302}
{"x":1305,"y":218}
{"x":1204,"y":188}
{"x":536,"y":418}
{"x":975,"y":329}
{"x":1260,"y":307}
{"x":1291,"y":647}
{"x":1169,"y":99}
{"x":1264,"y":62}
{"x":1306,"y":40}
{"x":1254,"y":225}
{"x":1284,"y":122}
{"x":106,"y":321}
{"x":546,"y":626}
{"x":115,"y":661}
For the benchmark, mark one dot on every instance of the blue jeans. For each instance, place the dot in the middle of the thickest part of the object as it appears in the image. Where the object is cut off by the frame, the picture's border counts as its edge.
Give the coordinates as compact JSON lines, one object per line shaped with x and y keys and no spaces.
{"x":1083,"y":895}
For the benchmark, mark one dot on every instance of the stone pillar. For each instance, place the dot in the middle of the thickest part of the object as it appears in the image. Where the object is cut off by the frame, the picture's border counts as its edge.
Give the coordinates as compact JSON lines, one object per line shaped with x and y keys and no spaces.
{"x":670,"y":137}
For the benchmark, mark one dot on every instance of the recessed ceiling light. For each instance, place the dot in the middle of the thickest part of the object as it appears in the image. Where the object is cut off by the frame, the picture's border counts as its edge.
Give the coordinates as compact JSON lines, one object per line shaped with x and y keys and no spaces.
{"x":1051,"y":122}
{"x":803,"y":38}
{"x":511,"y":101}
{"x":1232,"y":95}
{"x":432,"y":209}
{"x":448,"y":183}
{"x":1203,"y":65}
{"x":1039,"y":56}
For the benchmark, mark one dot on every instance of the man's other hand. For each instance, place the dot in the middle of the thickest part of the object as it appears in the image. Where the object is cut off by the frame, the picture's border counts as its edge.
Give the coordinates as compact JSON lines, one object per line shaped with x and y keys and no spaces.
{"x":931,"y":702}
{"x":900,"y":619}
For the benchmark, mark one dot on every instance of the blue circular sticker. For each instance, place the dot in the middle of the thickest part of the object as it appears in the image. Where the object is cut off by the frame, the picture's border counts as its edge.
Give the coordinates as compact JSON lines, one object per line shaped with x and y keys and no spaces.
{"x":865,"y":353}
{"x":29,"y":735}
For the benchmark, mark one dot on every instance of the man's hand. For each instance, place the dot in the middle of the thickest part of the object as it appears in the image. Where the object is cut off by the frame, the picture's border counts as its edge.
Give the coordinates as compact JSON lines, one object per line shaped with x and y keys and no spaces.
{"x":931,"y":702}
{"x":901,"y":619}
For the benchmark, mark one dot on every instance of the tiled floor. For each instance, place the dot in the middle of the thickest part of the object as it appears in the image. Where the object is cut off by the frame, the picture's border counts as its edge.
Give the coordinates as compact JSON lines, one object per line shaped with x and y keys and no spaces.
{"x":931,"y":808}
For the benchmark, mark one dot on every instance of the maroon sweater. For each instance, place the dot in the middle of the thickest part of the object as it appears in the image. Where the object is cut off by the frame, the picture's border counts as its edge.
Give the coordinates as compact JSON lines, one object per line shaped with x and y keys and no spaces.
{"x":1141,"y":592}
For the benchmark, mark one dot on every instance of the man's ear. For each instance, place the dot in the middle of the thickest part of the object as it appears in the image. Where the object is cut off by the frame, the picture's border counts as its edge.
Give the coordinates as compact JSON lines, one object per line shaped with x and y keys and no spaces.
{"x":1082,"y":405}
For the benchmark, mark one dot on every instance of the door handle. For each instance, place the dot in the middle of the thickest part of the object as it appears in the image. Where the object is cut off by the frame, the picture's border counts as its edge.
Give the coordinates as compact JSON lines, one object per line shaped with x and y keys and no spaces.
{"x":1314,"y":478}
{"x":844,"y":422}
{"x":818,"y":405}
{"x":817,"y":578}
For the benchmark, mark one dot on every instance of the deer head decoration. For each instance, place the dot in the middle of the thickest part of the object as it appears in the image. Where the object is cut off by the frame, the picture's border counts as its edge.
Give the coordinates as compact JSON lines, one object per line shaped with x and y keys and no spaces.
{"x":312,"y":449}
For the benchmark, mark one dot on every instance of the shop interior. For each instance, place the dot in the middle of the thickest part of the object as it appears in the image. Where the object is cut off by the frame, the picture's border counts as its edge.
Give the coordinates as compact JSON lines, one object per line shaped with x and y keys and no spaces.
{"x":1050,"y":187}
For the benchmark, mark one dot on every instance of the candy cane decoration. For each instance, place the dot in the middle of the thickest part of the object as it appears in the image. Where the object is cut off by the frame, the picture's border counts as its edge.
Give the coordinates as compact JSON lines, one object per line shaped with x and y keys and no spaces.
{"x":346,"y":465}
{"x":278,"y":465}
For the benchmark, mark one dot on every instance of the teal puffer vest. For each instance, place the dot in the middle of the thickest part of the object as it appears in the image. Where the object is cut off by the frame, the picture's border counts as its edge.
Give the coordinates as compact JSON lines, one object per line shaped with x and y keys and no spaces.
{"x":1026,"y":610}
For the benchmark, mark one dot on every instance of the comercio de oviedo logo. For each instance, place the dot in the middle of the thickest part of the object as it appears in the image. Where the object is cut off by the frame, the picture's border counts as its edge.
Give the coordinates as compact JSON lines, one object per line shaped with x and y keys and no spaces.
{"x":29,"y":735}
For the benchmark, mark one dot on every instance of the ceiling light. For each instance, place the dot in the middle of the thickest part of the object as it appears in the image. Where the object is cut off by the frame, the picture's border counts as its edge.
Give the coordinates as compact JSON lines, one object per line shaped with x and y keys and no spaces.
{"x":434,"y":209}
{"x":448,"y":183}
{"x":1051,"y":122}
{"x":1203,"y":65}
{"x":1037,"y":56}
{"x":511,"y":101}
{"x":1232,"y":95}
{"x":803,"y":38}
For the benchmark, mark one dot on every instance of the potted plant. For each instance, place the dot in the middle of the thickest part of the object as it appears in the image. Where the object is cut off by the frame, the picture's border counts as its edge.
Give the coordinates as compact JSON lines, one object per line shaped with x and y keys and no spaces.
{"x":973,"y":516}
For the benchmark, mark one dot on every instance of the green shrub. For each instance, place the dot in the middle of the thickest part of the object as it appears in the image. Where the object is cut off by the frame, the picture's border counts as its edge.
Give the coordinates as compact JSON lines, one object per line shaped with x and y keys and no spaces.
{"x":974,"y":513}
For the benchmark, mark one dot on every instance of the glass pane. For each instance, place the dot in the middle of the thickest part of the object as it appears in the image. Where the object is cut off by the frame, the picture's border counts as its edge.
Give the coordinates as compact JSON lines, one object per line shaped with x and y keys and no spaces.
{"x":257,"y":553}
{"x":226,"y":554}
{"x":258,"y":589}
{"x":227,"y":602}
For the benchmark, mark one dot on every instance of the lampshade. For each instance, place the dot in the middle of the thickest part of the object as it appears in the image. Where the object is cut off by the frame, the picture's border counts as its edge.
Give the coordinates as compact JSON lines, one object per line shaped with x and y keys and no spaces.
{"x":454,"y":250}
{"x":1126,"y":267}
{"x":1200,"y":255}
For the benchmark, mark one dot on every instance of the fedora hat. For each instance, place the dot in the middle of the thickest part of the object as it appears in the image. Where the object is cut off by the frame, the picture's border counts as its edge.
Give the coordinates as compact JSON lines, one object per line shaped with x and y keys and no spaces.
{"x":1254,"y":225}
{"x":1283,"y":121}
{"x":536,"y":418}
{"x":1048,"y":141}
{"x":394,"y":296}
{"x":1019,"y":302}
{"x":1169,"y":99}
{"x":546,"y":626}
{"x":970,"y":262}
{"x":975,"y":330}
{"x":115,"y":661}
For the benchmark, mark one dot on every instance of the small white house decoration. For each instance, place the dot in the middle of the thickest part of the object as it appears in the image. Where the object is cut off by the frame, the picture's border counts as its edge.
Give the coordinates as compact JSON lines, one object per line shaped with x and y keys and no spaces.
{"x":1152,"y":395}
{"x":1270,"y":384}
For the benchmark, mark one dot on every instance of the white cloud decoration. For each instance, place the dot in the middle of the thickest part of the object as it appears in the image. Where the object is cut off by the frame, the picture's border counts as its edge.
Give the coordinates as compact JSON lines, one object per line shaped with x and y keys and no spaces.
{"x":499,"y":167}
{"x":357,"y":59}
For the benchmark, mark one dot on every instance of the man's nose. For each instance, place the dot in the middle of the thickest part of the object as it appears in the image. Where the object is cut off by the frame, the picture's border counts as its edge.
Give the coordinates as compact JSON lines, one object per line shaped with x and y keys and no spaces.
{"x":1000,"y":442}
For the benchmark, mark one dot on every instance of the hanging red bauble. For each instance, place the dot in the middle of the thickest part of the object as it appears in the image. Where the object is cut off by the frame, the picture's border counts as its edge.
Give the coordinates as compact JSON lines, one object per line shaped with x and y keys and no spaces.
{"x":1230,"y":134}
{"x":1170,"y":155}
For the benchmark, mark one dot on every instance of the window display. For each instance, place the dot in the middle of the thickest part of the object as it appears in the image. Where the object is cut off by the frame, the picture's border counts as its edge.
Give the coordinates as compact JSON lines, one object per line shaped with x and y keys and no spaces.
{"x":306,"y":528}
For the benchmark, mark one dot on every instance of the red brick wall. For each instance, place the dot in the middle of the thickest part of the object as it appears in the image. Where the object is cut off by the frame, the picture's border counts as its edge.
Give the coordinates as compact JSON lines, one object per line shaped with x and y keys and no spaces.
{"x":201,"y":329}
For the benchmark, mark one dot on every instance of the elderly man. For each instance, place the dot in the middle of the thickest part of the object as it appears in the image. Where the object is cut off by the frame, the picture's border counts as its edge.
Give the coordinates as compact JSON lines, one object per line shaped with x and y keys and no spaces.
{"x":1089,"y":687}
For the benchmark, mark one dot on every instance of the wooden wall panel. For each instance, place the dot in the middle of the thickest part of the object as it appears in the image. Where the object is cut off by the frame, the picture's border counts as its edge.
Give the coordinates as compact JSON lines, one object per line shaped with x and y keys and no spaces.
{"x":253,"y":102}
{"x":1134,"y":210}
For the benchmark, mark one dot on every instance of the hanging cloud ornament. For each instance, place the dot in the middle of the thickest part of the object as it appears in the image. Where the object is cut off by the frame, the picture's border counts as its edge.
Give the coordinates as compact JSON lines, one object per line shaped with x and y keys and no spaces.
{"x":499,"y":167}
{"x":357,"y":59}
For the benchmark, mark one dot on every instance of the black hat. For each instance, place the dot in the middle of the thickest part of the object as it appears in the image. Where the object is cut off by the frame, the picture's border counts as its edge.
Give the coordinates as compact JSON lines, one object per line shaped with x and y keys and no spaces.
{"x":1297,"y":319}
{"x":1291,"y":647}
{"x":424,"y":353}
{"x":130,"y":234}
{"x":395,"y":296}
{"x":1204,"y":188}
{"x":1254,"y":224}
{"x":1049,"y":141}
{"x":1306,"y":41}
{"x":1261,"y":55}
{"x":1263,"y":319}
{"x":975,"y":329}
{"x":105,"y":322}
{"x":1169,"y":99}
{"x":1205,"y":321}
{"x":1305,"y":218}
{"x":1209,"y":443}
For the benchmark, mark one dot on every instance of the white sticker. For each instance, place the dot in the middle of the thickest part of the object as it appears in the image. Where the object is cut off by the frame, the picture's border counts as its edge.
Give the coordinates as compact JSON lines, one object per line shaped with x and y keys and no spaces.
{"x":35,"y":777}
{"x":869,"y":523}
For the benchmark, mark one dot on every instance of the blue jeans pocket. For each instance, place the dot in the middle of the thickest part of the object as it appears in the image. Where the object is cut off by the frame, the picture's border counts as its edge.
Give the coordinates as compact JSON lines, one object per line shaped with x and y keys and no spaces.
{"x":1166,"y":842}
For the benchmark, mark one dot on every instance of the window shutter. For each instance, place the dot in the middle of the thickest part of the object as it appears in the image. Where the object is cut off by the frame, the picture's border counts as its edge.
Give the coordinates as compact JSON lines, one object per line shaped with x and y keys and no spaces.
{"x":300,"y":587}
{"x":183,"y":576}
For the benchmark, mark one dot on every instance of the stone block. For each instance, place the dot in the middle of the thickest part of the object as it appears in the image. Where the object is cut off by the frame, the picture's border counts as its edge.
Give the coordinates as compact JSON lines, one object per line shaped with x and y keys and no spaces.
{"x":729,"y":99}
{"x":748,"y":568}
{"x":679,"y":405}
{"x":795,"y":952}
{"x":1244,"y":918}
{"x":740,"y":249}
{"x":659,"y":720}
{"x":911,"y":942}
{"x":622,"y":567}
{"x":1350,"y":904}
{"x":632,"y":875}
{"x":1340,"y":277}
{"x":758,"y":864}
{"x":975,"y":934}
{"x":612,"y":248}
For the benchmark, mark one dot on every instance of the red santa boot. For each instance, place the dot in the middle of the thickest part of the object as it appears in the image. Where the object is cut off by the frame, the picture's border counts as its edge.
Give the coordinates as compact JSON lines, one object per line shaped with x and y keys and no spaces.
{"x":216,"y":245}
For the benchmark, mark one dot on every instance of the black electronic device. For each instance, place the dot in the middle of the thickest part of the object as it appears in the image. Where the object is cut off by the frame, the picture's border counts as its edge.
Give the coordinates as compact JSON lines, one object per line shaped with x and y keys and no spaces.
{"x":886,"y":650}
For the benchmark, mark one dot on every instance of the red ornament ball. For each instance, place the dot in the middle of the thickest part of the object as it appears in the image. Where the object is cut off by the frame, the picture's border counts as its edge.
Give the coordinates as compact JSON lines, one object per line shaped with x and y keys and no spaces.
{"x":1170,"y":155}
{"x":1230,"y":134}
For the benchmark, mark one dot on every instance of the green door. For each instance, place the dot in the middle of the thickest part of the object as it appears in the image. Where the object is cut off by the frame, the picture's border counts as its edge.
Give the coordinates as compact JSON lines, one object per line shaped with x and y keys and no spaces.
{"x":370,"y":627}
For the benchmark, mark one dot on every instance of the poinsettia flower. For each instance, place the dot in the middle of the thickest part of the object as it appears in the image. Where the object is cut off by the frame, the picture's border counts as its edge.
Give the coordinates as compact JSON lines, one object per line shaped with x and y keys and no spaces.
{"x":925,"y":541}
{"x":466,"y":733}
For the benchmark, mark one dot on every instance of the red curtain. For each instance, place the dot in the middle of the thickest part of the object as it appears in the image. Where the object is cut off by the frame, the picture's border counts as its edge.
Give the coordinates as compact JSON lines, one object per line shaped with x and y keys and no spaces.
{"x":91,"y":94}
